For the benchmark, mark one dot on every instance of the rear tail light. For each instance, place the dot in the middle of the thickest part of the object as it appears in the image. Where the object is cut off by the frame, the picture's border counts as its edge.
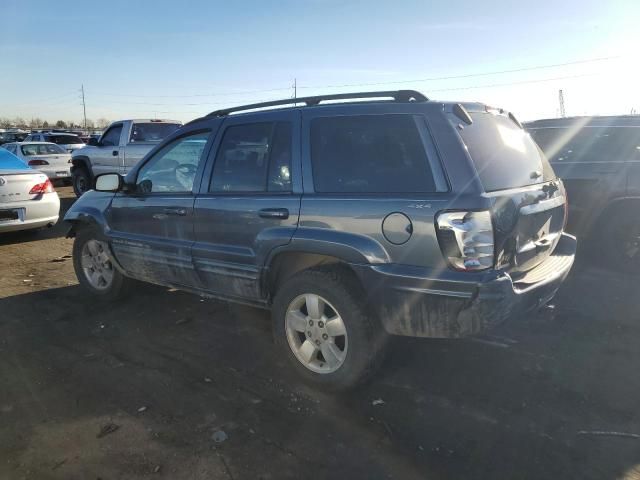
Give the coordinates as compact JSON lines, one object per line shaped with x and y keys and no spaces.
{"x":466,"y":239}
{"x":44,"y":187}
{"x":37,"y":162}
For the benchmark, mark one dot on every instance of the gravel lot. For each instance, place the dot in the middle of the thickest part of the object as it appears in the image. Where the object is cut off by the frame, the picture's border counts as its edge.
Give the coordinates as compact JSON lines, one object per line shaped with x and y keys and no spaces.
{"x":193,"y":388}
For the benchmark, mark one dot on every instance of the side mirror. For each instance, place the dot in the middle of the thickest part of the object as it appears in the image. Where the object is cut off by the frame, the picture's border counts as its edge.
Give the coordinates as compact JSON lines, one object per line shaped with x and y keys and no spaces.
{"x":93,"y":142}
{"x":109,"y":182}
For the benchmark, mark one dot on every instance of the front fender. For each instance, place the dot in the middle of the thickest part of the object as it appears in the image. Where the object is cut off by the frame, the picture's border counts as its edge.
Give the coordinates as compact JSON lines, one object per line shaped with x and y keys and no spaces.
{"x":90,"y":209}
{"x":81,"y":161}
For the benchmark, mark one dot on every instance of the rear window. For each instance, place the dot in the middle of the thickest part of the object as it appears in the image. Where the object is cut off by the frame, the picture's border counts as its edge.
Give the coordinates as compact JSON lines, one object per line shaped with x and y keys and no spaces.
{"x":589,"y":144}
{"x":62,"y":139}
{"x":151,"y":132}
{"x":373,"y":154}
{"x":504,"y":154}
{"x":41,"y":149}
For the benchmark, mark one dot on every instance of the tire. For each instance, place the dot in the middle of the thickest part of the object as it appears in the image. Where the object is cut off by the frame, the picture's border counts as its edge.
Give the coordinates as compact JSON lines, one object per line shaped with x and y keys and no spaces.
{"x":357,"y":354}
{"x":81,"y":181}
{"x":114,"y":284}
{"x":621,"y":239}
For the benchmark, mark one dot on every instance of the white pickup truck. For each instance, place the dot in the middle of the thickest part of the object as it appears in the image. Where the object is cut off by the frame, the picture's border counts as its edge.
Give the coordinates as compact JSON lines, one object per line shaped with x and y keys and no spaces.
{"x":121,"y":146}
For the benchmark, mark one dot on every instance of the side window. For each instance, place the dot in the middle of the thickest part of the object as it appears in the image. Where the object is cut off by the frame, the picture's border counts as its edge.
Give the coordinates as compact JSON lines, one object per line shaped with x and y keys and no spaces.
{"x":173,"y":168}
{"x":254,"y":158}
{"x":371,"y":154}
{"x":589,"y":144}
{"x":112,"y":137}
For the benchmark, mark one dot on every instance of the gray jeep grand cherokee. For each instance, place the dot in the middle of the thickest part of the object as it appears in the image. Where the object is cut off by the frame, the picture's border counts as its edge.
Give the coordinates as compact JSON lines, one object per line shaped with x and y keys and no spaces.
{"x":350,"y":221}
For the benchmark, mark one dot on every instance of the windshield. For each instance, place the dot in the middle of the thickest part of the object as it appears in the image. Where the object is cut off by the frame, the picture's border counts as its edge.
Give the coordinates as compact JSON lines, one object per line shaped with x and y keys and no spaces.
{"x":152,"y":132}
{"x":41,"y":149}
{"x":504,"y":154}
{"x":63,"y":139}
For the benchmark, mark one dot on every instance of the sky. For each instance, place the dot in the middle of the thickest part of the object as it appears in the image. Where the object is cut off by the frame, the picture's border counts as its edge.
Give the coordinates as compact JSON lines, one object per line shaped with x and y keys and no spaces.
{"x":182,"y":59}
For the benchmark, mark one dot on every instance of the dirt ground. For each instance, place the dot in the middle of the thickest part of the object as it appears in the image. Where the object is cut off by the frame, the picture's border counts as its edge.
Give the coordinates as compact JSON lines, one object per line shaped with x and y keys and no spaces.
{"x":195,"y":390}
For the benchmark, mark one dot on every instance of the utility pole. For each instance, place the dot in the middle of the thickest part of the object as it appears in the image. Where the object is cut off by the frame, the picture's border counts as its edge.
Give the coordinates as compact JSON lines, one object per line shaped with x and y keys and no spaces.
{"x":561,"y":100}
{"x":84,"y":108}
{"x":295,"y":88}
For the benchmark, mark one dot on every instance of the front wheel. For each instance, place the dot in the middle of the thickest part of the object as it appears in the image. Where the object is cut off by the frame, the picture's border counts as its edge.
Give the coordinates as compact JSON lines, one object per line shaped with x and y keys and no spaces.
{"x":94,"y":269}
{"x":322,"y":327}
{"x":81,"y":181}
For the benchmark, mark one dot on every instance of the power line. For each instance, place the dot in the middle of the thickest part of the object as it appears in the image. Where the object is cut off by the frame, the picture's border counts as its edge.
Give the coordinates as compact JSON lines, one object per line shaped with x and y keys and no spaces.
{"x":470,"y":75}
{"x":347,"y":85}
{"x":226,"y":94}
{"x":42,"y":101}
{"x":508,"y":84}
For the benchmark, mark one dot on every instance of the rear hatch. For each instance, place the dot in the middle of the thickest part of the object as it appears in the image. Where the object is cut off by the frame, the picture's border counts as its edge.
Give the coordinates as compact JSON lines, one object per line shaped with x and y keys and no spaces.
{"x":529,"y":202}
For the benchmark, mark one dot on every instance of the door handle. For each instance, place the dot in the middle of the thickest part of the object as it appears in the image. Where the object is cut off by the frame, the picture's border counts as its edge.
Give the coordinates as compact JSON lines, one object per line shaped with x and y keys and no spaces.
{"x":181,"y":212}
{"x":114,"y":153}
{"x":281,"y":213}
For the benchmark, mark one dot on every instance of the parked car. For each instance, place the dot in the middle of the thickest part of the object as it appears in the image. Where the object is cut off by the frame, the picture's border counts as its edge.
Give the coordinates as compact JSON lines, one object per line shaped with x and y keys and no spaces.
{"x":119,"y":148}
{"x":51,"y":159}
{"x":66,"y":140}
{"x":598,"y":158}
{"x":27,"y":198}
{"x":12,"y":136}
{"x":350,"y":221}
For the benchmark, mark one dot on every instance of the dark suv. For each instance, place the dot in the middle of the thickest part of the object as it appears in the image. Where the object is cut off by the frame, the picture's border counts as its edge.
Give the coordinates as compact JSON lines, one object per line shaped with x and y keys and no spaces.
{"x":350,"y":221}
{"x":598,"y":159}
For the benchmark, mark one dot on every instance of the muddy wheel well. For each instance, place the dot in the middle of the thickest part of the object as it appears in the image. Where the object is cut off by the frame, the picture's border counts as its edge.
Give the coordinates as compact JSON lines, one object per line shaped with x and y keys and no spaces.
{"x":286,"y":265}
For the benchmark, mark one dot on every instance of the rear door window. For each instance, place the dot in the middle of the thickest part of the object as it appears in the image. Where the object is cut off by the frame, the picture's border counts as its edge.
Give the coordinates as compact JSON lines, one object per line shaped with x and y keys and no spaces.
{"x":152,"y":131}
{"x":505,"y":155}
{"x":41,"y":149}
{"x":63,"y":139}
{"x":374,"y":154}
{"x":589,"y":144}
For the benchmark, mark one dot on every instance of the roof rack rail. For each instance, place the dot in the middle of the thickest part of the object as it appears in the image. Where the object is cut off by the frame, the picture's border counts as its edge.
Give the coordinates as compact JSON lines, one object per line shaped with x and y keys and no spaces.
{"x":397,"y":95}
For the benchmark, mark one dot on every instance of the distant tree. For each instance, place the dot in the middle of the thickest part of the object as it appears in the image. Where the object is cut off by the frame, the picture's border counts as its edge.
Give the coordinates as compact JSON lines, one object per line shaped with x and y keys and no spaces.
{"x":35,"y":123}
{"x":61,"y":124}
{"x":90,"y":124}
{"x":20,"y":122}
{"x":5,"y":122}
{"x":45,"y":124}
{"x":102,"y":123}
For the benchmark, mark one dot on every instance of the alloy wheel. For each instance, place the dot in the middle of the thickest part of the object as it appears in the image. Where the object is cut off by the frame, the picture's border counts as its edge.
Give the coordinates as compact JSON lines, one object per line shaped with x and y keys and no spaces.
{"x":97,"y":267}
{"x":316,"y":333}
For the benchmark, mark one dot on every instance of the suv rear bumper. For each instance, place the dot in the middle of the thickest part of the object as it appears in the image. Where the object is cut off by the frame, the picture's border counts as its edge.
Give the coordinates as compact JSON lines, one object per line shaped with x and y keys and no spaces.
{"x":425,"y":303}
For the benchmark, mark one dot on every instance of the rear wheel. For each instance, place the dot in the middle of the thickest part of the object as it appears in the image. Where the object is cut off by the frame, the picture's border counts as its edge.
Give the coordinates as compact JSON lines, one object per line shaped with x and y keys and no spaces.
{"x":81,"y":181}
{"x":322,"y":327}
{"x":94,"y":269}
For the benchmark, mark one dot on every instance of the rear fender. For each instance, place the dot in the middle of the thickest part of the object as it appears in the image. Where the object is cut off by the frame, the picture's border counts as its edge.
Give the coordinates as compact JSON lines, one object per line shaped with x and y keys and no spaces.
{"x":341,"y":246}
{"x":349,"y":247}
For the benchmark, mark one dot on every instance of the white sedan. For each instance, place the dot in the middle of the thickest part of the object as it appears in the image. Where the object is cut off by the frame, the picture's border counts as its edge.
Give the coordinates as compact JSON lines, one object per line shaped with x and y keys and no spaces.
{"x":49,"y":158}
{"x":27,"y":197}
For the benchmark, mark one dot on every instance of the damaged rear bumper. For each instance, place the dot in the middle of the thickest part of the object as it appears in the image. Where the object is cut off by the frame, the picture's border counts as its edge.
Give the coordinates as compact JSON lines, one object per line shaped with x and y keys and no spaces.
{"x":425,"y":303}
